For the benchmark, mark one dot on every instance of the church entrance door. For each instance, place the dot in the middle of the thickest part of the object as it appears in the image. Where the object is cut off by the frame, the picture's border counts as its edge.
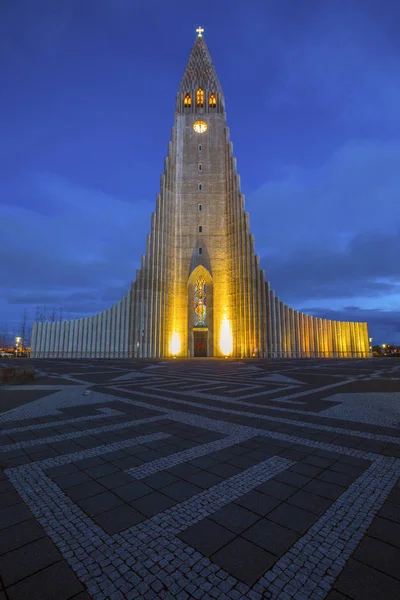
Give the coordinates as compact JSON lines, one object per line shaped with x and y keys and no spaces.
{"x":200,"y":343}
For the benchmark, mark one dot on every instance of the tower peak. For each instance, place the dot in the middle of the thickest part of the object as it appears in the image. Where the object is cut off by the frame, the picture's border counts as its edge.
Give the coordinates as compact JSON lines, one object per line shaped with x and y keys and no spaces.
{"x":200,"y":75}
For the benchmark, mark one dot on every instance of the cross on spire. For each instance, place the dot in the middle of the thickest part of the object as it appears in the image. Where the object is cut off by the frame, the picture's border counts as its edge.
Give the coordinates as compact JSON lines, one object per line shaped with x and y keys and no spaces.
{"x":200,"y":32}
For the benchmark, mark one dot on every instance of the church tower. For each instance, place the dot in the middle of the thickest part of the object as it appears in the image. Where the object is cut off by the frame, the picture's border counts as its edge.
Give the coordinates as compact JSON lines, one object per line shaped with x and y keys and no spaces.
{"x":200,"y":290}
{"x":208,"y":292}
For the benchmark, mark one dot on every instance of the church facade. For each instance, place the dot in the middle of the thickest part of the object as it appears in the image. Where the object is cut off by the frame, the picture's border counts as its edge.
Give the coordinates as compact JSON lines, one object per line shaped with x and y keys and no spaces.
{"x":200,"y":290}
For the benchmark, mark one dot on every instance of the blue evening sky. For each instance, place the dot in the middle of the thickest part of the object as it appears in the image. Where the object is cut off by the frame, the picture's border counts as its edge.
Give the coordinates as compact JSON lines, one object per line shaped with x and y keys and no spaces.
{"x":87,"y":95}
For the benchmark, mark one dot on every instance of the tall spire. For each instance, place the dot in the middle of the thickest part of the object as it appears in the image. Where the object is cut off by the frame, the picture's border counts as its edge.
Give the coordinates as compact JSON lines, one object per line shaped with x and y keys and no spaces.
{"x":200,"y":74}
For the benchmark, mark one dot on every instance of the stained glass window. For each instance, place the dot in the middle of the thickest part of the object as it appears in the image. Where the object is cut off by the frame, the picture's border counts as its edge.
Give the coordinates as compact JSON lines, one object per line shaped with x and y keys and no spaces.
{"x":187,"y":101}
{"x":200,"y":303}
{"x":200,"y":97}
{"x":212,"y":101}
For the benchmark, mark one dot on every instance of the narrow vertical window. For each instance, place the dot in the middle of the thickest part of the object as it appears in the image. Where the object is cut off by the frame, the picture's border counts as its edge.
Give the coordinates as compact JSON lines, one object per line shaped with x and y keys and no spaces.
{"x":200,"y":167}
{"x":200,"y":228}
{"x":199,"y":187}
{"x":200,"y":207}
{"x":200,"y":250}
{"x":200,"y":148}
{"x":212,"y":102}
{"x":200,"y":303}
{"x":187,"y":101}
{"x":200,"y":97}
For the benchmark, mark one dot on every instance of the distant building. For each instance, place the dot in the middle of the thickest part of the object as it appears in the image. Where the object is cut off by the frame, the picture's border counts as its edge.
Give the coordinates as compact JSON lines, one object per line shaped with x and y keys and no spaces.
{"x":200,"y":290}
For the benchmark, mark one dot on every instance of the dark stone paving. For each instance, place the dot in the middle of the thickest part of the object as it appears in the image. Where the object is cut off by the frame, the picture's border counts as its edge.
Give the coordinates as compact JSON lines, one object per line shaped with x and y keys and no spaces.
{"x":193,"y":509}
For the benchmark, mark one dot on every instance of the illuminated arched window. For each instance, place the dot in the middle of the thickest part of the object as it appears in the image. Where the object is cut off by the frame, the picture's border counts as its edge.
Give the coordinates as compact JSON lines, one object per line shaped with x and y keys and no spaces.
{"x":212,"y":101}
{"x":200,"y":304}
{"x":187,"y":101}
{"x":200,"y":97}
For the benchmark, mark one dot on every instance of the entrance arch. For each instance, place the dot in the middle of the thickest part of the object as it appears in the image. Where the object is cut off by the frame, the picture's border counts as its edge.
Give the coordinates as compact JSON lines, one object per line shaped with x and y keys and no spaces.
{"x":200,"y":312}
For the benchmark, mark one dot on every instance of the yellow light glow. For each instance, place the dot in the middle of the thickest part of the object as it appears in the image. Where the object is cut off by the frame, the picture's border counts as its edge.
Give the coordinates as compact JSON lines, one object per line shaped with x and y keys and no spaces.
{"x":225,"y":339}
{"x":175,"y":343}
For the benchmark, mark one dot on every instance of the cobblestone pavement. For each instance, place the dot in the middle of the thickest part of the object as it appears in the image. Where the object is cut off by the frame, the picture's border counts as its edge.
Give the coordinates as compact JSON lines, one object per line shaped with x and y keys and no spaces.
{"x":201,"y":479}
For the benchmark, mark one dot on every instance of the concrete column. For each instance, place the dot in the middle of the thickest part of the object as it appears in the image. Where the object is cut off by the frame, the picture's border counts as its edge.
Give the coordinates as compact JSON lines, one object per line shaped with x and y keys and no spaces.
{"x":98,"y":334}
{"x":94,"y":336}
{"x":56,"y":346}
{"x":128,"y":338}
{"x":88,"y":337}
{"x":289,"y":332}
{"x":279,"y":351}
{"x":117,"y":329}
{"x":330,"y":338}
{"x":47,"y":339}
{"x":72,"y":338}
{"x":61,"y":344}
{"x":300,"y":328}
{"x":112,"y":333}
{"x":123,"y":330}
{"x":339,"y":339}
{"x":108,"y":333}
{"x":102,"y":333}
{"x":324,"y":338}
{"x":50,"y":338}
{"x":272,"y":352}
{"x":78,"y":342}
{"x":296,"y":337}
{"x":347,"y":338}
{"x":294,"y":333}
{"x":84,"y":350}
{"x":126,"y":325}
{"x":43,"y":340}
{"x":283,"y":329}
{"x":318,"y":336}
{"x":68,"y":339}
{"x":312,"y":336}
{"x":304,"y":336}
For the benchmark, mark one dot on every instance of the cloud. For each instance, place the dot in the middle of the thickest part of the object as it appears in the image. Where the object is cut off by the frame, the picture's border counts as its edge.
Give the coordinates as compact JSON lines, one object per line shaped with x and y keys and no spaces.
{"x":79,"y":245}
{"x":334,"y":230}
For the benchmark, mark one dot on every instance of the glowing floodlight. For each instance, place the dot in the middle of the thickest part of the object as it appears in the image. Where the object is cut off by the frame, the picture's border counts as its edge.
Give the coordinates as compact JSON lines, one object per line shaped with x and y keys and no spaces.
{"x":225,"y":339}
{"x":175,"y":344}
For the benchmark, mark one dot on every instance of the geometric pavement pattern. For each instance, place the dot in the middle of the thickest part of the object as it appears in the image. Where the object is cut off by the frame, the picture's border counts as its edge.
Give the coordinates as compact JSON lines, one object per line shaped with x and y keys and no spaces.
{"x":201,"y":479}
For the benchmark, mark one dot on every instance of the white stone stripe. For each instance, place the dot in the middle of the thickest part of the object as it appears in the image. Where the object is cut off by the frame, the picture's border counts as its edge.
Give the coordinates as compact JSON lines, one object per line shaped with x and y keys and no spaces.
{"x":313,"y":563}
{"x":106,"y":412}
{"x":187,"y":513}
{"x":341,"y":430}
{"x":65,"y":459}
{"x":69,"y":436}
{"x":168,"y":462}
{"x":101,"y":560}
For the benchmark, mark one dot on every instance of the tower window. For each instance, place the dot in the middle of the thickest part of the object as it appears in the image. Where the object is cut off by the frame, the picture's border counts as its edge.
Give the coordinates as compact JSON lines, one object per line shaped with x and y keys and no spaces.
{"x":199,"y":187}
{"x":200,"y":250}
{"x":212,"y":102}
{"x":187,"y":101}
{"x":200,"y":97}
{"x":200,"y":167}
{"x":200,"y":148}
{"x":200,"y":207}
{"x":200,"y":228}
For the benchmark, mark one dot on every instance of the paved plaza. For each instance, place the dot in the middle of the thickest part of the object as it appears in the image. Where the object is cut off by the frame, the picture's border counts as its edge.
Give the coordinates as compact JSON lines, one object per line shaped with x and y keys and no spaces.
{"x":205,"y":479}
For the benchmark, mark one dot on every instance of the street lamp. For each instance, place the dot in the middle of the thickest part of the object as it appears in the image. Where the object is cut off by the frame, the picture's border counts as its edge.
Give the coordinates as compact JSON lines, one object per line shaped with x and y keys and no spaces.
{"x":17,"y":343}
{"x":370,"y":346}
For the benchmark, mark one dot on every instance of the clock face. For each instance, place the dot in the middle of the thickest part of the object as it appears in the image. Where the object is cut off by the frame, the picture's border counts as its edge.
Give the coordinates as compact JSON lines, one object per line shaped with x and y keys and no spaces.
{"x":200,"y":126}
